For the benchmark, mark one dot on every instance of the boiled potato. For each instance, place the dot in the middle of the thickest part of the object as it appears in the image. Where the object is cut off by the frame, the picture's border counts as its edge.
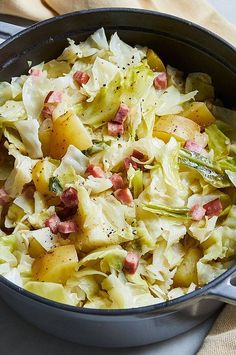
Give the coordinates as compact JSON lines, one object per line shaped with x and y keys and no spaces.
{"x":35,"y":249}
{"x":175,"y":126}
{"x":199,"y":113}
{"x":68,"y":130}
{"x":154,"y":61}
{"x":56,"y":266}
{"x":187,"y":271}
{"x":41,"y":174}
{"x":45,"y":139}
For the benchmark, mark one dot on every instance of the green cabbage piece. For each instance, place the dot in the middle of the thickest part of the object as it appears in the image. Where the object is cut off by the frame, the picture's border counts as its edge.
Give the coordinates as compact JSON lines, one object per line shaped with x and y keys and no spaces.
{"x":12,"y":111}
{"x":135,"y":178}
{"x":202,"y":83}
{"x":218,"y":142}
{"x":175,"y":212}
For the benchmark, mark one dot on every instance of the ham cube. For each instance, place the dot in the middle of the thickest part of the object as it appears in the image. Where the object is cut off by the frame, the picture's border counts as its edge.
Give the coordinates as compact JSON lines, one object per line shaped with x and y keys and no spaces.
{"x":67,"y":227}
{"x":95,"y":171}
{"x":124,"y":196}
{"x":117,"y":182}
{"x":121,"y":114}
{"x":53,"y":97}
{"x":115,"y":129}
{"x":81,"y":77}
{"x":138,"y":155}
{"x":197,"y":212}
{"x":69,"y":197}
{"x":131,"y":262}
{"x":160,"y":81}
{"x":193,"y":146}
{"x":53,"y":223}
{"x":128,"y":161}
{"x":35,"y":72}
{"x":213,"y":208}
{"x":4,"y":197}
{"x":47,"y":111}
{"x":66,"y":212}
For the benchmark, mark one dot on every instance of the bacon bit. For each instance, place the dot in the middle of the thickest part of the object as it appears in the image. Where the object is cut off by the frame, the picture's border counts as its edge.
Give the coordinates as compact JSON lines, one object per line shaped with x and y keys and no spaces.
{"x":138,"y":155}
{"x":197,"y":212}
{"x":53,"y":223}
{"x":160,"y":81}
{"x":193,"y":146}
{"x":4,"y":197}
{"x":95,"y":171}
{"x":47,"y":111}
{"x":35,"y":72}
{"x":115,"y":129}
{"x":121,"y":114}
{"x":131,"y":262}
{"x":128,"y":161}
{"x":28,"y":190}
{"x":117,"y":182}
{"x":66,"y":212}
{"x":53,"y":97}
{"x":81,"y":77}
{"x":124,"y":196}
{"x":69,"y":197}
{"x":67,"y":227}
{"x":213,"y":208}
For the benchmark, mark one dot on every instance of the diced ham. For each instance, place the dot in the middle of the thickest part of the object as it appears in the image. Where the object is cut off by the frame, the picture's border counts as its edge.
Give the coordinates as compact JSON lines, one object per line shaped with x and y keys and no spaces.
{"x":81,"y":77}
{"x":138,"y":155}
{"x":128,"y":161}
{"x":213,"y":208}
{"x":67,"y":227}
{"x":131,"y":262}
{"x":124,"y":196}
{"x":193,"y":146}
{"x":4,"y":197}
{"x":53,"y":97}
{"x":35,"y":72}
{"x":115,"y":129}
{"x":53,"y":223}
{"x":160,"y":81}
{"x":28,"y":190}
{"x":121,"y":114}
{"x":197,"y":212}
{"x":47,"y":111}
{"x":66,"y":212}
{"x":69,"y":197}
{"x":117,"y":182}
{"x":95,"y":171}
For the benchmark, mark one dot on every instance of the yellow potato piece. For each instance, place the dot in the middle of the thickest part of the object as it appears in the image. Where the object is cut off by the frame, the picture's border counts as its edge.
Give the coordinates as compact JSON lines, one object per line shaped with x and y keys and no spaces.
{"x":176,"y":126}
{"x":154,"y":61}
{"x":41,"y":174}
{"x":68,"y":130}
{"x":56,"y":266}
{"x":35,"y":249}
{"x":199,"y":113}
{"x":45,"y":139}
{"x":187,"y":271}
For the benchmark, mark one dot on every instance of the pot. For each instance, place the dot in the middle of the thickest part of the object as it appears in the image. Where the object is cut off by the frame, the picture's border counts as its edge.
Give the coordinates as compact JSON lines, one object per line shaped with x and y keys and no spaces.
{"x":187,"y":47}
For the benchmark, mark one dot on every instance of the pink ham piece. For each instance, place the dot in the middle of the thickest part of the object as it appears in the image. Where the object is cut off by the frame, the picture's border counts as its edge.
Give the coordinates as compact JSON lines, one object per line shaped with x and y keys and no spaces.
{"x":197,"y":212}
{"x":121,"y":114}
{"x":53,"y":223}
{"x":131,"y":262}
{"x":67,"y":227}
{"x":160,"y":81}
{"x":4,"y":197}
{"x":47,"y":111}
{"x":193,"y":146}
{"x":213,"y":208}
{"x":115,"y":129}
{"x":53,"y":97}
{"x":117,"y":182}
{"x":138,"y":155}
{"x":66,"y":212}
{"x":35,"y":72}
{"x":124,"y":196}
{"x":69,"y":197}
{"x":95,"y":171}
{"x":81,"y":77}
{"x":128,"y":161}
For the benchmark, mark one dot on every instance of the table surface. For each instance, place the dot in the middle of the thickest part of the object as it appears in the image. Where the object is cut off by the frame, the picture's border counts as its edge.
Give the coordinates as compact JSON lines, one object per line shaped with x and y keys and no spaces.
{"x":26,"y":337}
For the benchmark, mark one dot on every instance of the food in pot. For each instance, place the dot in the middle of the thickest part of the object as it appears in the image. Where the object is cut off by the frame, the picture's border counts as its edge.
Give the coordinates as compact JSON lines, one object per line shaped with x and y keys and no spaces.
{"x":117,"y":178}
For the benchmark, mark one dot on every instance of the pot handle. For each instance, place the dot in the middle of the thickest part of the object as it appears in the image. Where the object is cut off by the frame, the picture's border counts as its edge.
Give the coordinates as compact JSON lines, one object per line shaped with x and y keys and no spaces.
{"x":225,"y":291}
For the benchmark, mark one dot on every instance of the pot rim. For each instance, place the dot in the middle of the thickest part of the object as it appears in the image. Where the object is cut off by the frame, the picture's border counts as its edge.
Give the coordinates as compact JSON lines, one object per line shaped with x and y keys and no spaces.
{"x":168,"y":305}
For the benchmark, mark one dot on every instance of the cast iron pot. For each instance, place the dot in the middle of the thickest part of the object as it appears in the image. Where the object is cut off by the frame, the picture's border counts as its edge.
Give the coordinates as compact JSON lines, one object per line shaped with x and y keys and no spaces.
{"x":185,"y":46}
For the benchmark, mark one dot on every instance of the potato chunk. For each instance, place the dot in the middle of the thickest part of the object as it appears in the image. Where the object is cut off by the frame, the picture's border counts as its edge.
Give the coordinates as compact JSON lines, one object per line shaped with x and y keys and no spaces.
{"x":175,"y":126}
{"x":35,"y":249}
{"x":199,"y":113}
{"x":68,"y":130}
{"x":154,"y":61}
{"x":41,"y":174}
{"x":45,"y":139}
{"x":56,"y":266}
{"x":187,"y":271}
